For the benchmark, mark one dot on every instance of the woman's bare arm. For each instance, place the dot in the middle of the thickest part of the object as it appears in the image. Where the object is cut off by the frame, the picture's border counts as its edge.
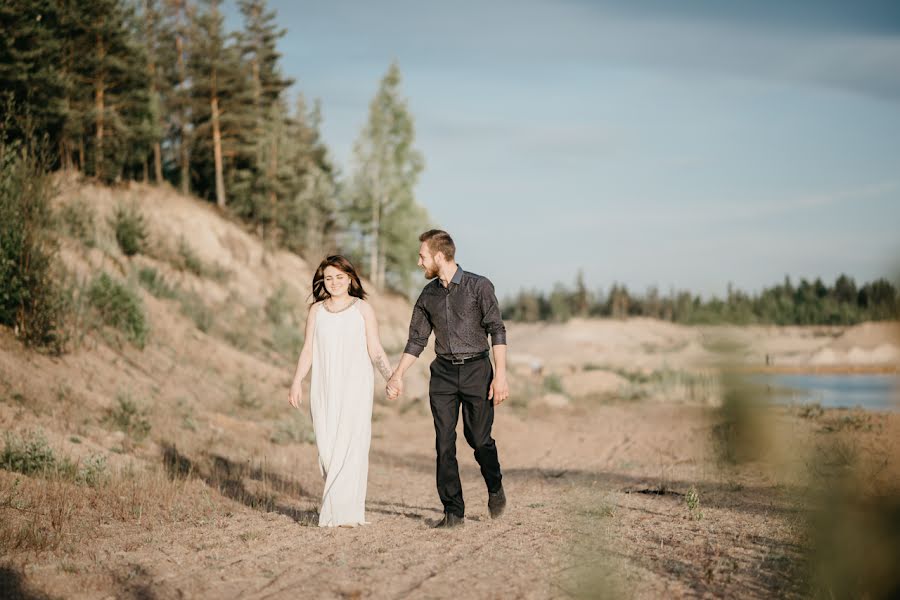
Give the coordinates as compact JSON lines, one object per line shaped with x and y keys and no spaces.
{"x":373,"y":341}
{"x":304,"y":363}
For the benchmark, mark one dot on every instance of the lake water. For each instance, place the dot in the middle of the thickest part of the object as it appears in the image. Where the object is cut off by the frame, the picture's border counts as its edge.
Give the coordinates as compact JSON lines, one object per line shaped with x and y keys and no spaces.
{"x":874,"y":392}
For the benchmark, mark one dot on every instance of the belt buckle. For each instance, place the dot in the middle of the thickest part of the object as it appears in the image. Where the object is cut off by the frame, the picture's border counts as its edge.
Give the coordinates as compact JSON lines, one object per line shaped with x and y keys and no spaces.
{"x":458,"y":361}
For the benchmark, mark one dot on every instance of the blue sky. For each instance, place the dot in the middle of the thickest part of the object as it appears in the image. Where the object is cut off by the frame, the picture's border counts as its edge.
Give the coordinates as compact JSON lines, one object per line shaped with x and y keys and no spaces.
{"x":678,"y":144}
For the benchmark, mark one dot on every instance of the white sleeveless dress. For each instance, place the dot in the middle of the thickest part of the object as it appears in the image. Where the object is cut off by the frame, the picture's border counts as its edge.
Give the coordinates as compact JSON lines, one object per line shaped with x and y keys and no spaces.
{"x":340,"y":401}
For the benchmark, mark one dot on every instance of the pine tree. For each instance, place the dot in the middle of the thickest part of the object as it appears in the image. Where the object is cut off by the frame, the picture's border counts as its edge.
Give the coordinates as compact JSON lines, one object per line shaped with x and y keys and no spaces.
{"x":110,"y":66}
{"x":218,"y":90}
{"x":581,"y":298}
{"x":172,"y":63}
{"x":388,"y":167}
{"x":32,"y":85}
{"x":309,"y":216}
{"x":154,"y":36}
{"x":256,"y":178}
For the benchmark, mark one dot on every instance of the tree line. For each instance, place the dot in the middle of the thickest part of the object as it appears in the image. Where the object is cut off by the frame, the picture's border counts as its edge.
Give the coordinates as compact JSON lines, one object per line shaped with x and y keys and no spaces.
{"x":804,"y":303}
{"x":159,"y":91}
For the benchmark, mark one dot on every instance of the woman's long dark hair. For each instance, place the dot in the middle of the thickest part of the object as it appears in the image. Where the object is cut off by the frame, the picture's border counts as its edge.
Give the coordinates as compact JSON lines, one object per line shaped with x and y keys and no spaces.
{"x":339,"y":262}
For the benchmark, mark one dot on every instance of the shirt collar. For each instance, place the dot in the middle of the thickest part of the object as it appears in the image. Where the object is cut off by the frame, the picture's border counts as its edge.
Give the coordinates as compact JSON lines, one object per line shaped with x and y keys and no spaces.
{"x":457,"y":277}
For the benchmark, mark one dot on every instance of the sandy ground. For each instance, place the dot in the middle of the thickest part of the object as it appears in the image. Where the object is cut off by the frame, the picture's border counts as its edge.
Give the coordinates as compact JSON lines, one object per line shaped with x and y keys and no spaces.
{"x":584,"y":502}
{"x":608,"y":446}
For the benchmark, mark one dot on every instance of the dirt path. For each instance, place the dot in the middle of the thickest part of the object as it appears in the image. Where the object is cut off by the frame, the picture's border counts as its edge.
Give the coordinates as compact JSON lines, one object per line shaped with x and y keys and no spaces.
{"x":597,"y":504}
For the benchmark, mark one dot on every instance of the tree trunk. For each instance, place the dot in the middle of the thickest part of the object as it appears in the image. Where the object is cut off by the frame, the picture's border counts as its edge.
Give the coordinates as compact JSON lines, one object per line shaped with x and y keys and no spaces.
{"x":151,"y":71}
{"x":65,"y":154}
{"x":257,"y":93}
{"x":184,"y":158}
{"x":185,"y":164}
{"x":65,"y":142}
{"x":376,"y":230}
{"x":257,"y":83}
{"x":99,"y":91}
{"x":217,"y":149}
{"x":382,"y":266}
{"x":273,"y":170}
{"x":157,"y":162}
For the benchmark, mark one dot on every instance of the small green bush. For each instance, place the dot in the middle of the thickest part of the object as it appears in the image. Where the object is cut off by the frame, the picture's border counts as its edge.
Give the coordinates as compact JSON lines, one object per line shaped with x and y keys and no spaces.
{"x":128,"y":417}
{"x":294,"y":429}
{"x":552,"y":383}
{"x":93,"y":471}
{"x":154,"y":283}
{"x":189,"y":258}
{"x":28,"y":455}
{"x":192,"y":306}
{"x":32,"y":455}
{"x":78,"y":220}
{"x":31,"y":300}
{"x":130,"y":229}
{"x":692,"y":500}
{"x":119,"y":307}
{"x":287,"y":340}
{"x":193,"y":263}
{"x":245,"y":396}
{"x":277,"y":305}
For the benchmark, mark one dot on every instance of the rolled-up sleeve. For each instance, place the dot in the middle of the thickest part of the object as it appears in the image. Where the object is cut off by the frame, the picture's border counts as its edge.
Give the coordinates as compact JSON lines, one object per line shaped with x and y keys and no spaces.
{"x":490,"y":311}
{"x":419,"y":330}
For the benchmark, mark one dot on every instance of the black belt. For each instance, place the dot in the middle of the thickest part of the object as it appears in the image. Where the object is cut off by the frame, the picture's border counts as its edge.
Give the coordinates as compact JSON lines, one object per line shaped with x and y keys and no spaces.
{"x":461,"y":361}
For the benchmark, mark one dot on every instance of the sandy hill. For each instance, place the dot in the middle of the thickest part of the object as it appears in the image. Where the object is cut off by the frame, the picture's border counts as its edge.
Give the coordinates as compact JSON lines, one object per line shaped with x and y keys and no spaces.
{"x":225,"y":313}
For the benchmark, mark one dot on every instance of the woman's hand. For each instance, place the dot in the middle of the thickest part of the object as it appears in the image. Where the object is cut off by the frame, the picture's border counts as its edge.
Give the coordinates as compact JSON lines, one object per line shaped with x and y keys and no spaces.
{"x":394,"y":387}
{"x":295,"y":396}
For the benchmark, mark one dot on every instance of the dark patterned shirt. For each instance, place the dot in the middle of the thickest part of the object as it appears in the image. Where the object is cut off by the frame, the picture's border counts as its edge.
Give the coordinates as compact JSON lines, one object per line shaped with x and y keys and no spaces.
{"x":461,"y":316}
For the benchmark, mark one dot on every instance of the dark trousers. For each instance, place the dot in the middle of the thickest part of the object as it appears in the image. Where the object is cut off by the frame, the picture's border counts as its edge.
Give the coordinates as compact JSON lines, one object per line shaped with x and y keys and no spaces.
{"x":467,"y":385}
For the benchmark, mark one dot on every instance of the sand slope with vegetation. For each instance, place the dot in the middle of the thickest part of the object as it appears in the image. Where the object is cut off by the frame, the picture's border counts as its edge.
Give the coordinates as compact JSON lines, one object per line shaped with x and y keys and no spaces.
{"x":157,"y":457}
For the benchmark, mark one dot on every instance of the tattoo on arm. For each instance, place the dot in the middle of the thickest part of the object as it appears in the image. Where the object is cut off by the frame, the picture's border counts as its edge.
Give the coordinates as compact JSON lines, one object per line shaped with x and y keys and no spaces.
{"x":384,"y":368}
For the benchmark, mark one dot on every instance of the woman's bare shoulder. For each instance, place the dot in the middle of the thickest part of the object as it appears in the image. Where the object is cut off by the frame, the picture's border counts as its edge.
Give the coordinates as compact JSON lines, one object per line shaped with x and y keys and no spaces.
{"x":365,"y":307}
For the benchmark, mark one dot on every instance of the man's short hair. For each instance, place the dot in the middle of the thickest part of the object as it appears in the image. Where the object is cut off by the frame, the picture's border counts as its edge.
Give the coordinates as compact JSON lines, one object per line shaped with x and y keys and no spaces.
{"x":439,"y":240}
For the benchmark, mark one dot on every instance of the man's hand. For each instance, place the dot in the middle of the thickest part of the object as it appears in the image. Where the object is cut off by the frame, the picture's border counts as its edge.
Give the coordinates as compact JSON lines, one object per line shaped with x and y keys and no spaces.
{"x":295,"y":396}
{"x":394,"y":387}
{"x":499,"y":389}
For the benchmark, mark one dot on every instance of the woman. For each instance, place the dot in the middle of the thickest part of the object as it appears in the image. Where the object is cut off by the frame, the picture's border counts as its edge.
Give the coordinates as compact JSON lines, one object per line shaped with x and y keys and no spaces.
{"x":340,"y":346}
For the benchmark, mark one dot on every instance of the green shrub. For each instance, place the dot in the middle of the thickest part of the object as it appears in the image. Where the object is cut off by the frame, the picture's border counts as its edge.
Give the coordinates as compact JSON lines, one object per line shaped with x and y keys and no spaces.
{"x":28,"y":455}
{"x":154,"y":283}
{"x":193,"y":306}
{"x":246,"y":397}
{"x":128,"y":417}
{"x":294,"y":429}
{"x":130,"y":229}
{"x":552,"y":383}
{"x":287,"y":340}
{"x":692,"y":500}
{"x":278,"y":306}
{"x":119,"y":307}
{"x":92,"y":471}
{"x":193,"y":263}
{"x":31,"y":301}
{"x":32,"y":455}
{"x":189,"y":258}
{"x":78,"y":219}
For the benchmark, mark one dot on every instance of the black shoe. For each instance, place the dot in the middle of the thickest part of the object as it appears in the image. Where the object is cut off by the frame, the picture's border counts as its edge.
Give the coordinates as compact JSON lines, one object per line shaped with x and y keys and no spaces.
{"x":450,"y":521}
{"x":496,"y":503}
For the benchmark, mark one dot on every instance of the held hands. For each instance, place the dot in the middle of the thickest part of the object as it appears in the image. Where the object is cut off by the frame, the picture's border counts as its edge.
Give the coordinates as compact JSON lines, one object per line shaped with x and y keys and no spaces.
{"x":394,"y":387}
{"x":295,"y":396}
{"x":499,"y":389}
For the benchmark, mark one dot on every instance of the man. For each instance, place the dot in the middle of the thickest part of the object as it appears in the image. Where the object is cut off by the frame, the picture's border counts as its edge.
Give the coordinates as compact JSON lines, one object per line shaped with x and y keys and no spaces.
{"x":461,"y":308}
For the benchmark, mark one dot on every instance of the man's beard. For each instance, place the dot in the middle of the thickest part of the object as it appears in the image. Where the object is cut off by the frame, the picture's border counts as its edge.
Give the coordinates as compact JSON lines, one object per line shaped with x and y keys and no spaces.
{"x":431,"y":273}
